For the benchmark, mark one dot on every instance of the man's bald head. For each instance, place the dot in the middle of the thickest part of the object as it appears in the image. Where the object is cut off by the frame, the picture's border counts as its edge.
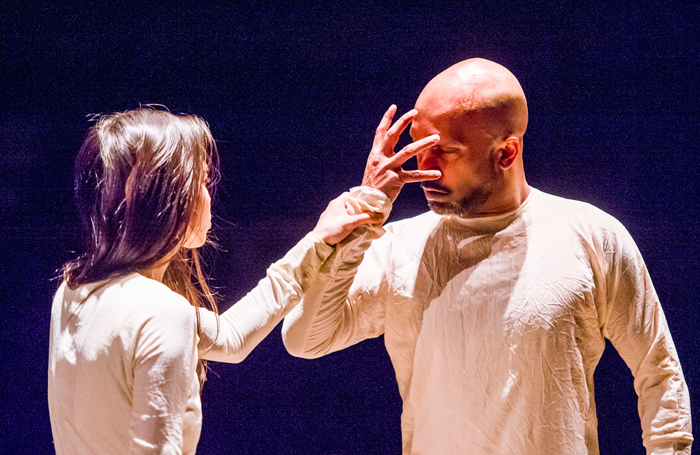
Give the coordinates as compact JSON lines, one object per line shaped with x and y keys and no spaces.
{"x":477,"y":87}
{"x":478,"y":109}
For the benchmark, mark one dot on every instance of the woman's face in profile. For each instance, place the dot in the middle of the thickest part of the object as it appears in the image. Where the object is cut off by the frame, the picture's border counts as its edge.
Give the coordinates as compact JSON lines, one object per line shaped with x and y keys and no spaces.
{"x":201,"y":222}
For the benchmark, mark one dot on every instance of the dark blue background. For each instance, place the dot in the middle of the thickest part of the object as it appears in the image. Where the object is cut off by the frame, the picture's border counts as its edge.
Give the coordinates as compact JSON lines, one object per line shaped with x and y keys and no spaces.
{"x":293,"y":94}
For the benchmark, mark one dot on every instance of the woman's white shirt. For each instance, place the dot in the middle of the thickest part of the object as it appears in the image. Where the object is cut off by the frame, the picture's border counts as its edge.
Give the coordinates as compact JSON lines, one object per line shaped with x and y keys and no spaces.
{"x":122,"y":369}
{"x":123,"y":356}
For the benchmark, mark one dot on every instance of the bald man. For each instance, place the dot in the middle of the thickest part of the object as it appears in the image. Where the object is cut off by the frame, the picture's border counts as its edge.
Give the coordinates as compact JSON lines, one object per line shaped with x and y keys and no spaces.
{"x":494,"y":305}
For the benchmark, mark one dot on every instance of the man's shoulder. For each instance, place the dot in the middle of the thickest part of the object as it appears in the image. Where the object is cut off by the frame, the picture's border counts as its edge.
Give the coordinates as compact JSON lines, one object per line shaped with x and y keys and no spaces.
{"x":552,"y":208}
{"x":567,"y":208}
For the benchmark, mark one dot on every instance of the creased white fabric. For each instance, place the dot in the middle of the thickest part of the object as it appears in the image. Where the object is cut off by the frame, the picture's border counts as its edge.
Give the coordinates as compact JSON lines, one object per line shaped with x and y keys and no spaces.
{"x":495,"y":326}
{"x":247,"y":323}
{"x":122,"y":369}
{"x":122,"y":365}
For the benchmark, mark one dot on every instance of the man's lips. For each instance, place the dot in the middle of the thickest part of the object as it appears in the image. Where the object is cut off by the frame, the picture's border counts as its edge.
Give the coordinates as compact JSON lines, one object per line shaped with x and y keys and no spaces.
{"x":436,"y":189}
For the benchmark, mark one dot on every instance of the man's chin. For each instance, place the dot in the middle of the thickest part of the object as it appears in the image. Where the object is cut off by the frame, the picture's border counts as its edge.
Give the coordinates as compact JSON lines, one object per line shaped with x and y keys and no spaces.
{"x":448,"y":208}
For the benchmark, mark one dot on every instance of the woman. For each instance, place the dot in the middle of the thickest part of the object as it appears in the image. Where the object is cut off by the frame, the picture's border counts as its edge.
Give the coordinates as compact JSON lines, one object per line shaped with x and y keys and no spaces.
{"x":133,"y":322}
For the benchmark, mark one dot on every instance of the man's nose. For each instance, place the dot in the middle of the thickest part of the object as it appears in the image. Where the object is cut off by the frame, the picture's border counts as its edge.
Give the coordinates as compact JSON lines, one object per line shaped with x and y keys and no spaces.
{"x":428,"y":160}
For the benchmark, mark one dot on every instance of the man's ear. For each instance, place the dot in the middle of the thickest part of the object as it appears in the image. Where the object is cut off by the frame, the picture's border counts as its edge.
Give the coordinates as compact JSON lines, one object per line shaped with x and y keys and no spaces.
{"x":509,"y":152}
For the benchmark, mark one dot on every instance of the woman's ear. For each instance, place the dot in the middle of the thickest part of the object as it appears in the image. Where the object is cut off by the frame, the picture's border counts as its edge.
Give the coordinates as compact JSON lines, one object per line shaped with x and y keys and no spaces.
{"x":509,"y":152}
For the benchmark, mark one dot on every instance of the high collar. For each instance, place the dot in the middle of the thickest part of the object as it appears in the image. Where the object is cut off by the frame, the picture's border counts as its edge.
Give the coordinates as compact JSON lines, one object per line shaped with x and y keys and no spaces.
{"x":494,"y":223}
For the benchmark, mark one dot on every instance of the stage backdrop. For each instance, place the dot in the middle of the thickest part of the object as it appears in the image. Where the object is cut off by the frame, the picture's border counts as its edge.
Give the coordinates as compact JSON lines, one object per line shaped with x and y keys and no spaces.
{"x":293,"y":94}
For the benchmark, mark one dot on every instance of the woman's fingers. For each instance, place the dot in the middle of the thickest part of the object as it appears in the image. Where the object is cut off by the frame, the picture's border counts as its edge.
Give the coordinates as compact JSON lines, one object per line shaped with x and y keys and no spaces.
{"x":359,"y":220}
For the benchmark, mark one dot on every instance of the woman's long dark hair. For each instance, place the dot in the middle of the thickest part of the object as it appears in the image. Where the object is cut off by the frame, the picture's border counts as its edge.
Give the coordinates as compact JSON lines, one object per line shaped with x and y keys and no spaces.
{"x":138,"y":188}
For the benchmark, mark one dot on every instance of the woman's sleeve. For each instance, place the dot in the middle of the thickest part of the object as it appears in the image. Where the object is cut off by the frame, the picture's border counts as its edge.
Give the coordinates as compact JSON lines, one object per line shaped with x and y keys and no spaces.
{"x":250,"y":320}
{"x":164,"y":365}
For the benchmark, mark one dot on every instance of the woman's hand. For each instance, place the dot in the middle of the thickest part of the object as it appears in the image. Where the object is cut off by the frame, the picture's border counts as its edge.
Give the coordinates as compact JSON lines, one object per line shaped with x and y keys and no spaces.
{"x":335,"y":224}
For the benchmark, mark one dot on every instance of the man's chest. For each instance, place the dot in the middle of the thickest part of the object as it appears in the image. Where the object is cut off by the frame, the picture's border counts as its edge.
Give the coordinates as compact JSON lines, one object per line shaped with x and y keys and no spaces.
{"x":498,"y":291}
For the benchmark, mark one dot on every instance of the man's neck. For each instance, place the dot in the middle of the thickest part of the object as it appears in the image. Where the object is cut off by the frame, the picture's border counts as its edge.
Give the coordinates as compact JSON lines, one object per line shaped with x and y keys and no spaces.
{"x":509,"y":200}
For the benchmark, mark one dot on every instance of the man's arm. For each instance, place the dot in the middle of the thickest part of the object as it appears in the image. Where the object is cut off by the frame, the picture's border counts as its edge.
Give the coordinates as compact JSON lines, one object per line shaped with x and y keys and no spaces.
{"x":632,"y":319}
{"x":335,"y":314}
{"x":331,"y":316}
{"x":233,"y":335}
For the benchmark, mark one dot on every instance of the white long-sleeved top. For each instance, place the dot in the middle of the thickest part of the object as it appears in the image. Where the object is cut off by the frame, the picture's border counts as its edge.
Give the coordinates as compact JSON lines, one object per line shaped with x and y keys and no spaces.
{"x":495,"y":326}
{"x":122,"y":360}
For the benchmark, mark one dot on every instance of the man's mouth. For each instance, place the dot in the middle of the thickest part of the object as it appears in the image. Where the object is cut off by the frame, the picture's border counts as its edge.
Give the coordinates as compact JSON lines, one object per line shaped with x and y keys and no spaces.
{"x":434,"y":188}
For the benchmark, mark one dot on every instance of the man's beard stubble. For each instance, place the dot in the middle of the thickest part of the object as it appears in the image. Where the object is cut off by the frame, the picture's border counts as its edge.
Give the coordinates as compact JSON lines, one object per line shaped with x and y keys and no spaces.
{"x":468,"y":207}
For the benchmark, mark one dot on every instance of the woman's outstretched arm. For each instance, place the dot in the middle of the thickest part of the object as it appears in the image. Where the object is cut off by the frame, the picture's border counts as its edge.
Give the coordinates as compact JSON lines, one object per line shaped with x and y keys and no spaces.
{"x":244,"y":325}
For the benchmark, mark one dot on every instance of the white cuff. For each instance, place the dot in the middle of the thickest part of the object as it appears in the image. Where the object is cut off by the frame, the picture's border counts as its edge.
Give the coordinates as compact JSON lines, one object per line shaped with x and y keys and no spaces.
{"x":364,"y":199}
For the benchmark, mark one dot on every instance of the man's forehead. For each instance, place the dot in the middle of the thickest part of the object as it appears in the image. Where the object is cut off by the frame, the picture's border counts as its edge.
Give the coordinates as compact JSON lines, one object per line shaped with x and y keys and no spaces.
{"x":425,"y":124}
